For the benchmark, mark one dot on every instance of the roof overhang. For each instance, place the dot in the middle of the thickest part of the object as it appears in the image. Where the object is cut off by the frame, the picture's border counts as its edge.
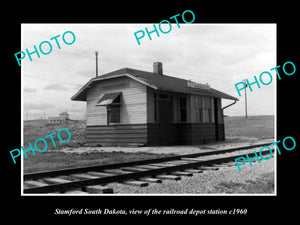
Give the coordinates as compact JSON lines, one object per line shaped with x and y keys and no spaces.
{"x":81,"y":94}
{"x":223,"y":95}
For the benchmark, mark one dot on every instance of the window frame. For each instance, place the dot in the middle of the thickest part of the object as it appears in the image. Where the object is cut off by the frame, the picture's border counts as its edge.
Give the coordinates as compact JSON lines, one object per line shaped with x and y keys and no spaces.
{"x":155,"y":106}
{"x":199,"y":109}
{"x":115,"y":106}
{"x":207,"y":108}
{"x":183,"y":108}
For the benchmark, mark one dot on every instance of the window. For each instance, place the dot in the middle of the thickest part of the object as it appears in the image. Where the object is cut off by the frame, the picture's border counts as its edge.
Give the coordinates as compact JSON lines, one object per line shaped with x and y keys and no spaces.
{"x":114,"y":111}
{"x":183,"y":109}
{"x":198,"y":109}
{"x":112,"y":102}
{"x":113,"y":114}
{"x":163,"y":96}
{"x":155,"y":102}
{"x":207,"y":109}
{"x":172,"y":116}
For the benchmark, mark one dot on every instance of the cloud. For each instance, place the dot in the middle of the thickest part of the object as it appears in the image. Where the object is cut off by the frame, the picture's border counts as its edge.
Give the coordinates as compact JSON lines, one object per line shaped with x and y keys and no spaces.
{"x":29,"y":90}
{"x":215,"y":53}
{"x":36,"y":106}
{"x":57,"y":87}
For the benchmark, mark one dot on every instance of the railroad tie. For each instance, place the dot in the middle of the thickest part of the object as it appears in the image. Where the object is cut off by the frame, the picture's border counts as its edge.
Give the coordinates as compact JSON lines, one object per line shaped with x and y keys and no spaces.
{"x":179,"y":162}
{"x":159,"y":165}
{"x":181,"y":173}
{"x":192,"y":159}
{"x":133,"y":169}
{"x":83,"y":176}
{"x":115,"y":171}
{"x":148,"y":167}
{"x":208,"y":168}
{"x":99,"y":174}
{"x":25,"y":186}
{"x":174,"y":163}
{"x":33,"y":183}
{"x":230,"y":164}
{"x":92,"y":188}
{"x":193,"y":170}
{"x":221,"y":165}
{"x":75,"y":192}
{"x":168,"y":177}
{"x":56,"y":180}
{"x":98,"y":189}
{"x":150,"y":180}
{"x":136,"y":183}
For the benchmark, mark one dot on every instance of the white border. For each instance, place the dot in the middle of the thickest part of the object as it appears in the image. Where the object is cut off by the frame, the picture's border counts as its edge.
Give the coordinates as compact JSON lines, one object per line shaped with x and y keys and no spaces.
{"x":22,"y":119}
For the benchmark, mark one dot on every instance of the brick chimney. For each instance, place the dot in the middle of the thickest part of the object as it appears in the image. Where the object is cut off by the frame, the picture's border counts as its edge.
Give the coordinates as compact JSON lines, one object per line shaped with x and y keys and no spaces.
{"x":157,"y":68}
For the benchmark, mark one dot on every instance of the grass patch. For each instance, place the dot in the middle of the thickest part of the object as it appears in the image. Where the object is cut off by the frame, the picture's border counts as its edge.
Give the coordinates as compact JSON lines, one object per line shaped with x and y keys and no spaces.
{"x":39,"y":129}
{"x":264,"y":184}
{"x":54,"y":160}
{"x":252,"y":127}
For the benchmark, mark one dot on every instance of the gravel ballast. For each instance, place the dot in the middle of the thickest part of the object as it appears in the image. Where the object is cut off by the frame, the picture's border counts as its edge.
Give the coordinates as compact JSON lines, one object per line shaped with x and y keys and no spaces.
{"x":258,"y":179}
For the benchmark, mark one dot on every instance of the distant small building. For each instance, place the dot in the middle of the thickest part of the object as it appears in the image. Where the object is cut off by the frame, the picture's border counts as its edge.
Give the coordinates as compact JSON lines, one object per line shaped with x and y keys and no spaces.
{"x":62,"y":118}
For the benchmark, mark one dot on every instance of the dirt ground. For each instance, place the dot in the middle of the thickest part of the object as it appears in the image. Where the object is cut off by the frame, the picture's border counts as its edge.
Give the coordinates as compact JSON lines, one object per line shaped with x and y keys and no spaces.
{"x":178,"y":150}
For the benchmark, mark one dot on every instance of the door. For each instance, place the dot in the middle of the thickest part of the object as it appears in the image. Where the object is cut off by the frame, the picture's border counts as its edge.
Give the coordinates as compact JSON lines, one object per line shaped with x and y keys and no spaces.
{"x":165,"y":117}
{"x":217,"y":131}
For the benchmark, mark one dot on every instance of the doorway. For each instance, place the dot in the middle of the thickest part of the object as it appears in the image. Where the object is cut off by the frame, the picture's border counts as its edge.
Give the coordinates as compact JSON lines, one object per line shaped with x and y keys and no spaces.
{"x":165,"y":119}
{"x":217,"y":131}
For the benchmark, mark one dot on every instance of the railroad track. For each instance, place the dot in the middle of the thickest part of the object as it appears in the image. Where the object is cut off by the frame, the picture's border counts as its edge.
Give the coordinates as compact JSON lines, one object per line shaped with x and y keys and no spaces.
{"x":96,"y":179}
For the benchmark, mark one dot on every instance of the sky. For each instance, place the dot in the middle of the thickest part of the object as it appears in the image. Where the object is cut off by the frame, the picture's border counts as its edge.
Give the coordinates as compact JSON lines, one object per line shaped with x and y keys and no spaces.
{"x":220,"y":55}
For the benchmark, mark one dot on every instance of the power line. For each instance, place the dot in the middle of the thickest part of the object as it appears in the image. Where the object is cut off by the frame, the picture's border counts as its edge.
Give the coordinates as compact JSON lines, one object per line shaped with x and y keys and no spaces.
{"x":180,"y":73}
{"x":198,"y":75}
{"x":210,"y":78}
{"x":56,"y":81}
{"x":149,"y":68}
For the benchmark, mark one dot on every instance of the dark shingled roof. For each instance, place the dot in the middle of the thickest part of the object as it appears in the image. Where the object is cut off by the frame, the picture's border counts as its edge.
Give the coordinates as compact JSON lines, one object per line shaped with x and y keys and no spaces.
{"x":155,"y":81}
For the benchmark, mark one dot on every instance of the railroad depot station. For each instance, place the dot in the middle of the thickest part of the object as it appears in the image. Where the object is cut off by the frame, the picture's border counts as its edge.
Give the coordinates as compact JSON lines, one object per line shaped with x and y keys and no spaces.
{"x":130,"y":106}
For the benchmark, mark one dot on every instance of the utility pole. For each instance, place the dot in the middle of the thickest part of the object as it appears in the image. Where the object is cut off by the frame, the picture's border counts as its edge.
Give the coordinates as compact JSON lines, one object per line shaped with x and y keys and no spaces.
{"x":96,"y":52}
{"x":246,"y":99}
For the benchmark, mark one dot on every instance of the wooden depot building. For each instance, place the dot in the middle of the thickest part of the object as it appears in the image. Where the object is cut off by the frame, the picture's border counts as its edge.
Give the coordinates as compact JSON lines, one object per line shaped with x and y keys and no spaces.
{"x":128,"y":107}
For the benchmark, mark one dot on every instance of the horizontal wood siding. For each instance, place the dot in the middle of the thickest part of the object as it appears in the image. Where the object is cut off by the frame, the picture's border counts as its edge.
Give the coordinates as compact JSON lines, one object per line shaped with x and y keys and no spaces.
{"x":153,"y":134}
{"x":183,"y":134}
{"x":133,"y":101}
{"x":196,"y":133}
{"x":148,"y":134}
{"x":117,"y":134}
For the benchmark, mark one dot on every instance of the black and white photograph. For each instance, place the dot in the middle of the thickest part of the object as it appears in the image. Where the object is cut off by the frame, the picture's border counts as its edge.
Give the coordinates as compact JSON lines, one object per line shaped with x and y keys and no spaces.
{"x":160,"y":117}
{"x":149,"y":111}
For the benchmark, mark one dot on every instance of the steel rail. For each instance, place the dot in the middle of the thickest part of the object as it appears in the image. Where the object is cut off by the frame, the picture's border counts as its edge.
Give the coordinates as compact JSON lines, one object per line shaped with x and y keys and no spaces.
{"x":134,"y":175}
